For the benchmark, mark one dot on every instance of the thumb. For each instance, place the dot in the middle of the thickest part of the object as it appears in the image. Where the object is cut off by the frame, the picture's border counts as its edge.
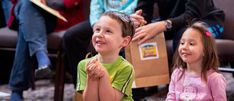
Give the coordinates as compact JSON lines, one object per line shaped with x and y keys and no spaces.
{"x":138,"y":12}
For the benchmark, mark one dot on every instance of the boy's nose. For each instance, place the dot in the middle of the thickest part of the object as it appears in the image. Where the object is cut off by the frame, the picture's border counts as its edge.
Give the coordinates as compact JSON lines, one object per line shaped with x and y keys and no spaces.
{"x":100,"y":34}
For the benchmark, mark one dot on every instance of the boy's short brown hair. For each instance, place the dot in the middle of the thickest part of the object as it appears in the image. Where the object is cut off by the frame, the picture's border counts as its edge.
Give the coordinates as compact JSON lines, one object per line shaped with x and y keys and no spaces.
{"x":125,"y":21}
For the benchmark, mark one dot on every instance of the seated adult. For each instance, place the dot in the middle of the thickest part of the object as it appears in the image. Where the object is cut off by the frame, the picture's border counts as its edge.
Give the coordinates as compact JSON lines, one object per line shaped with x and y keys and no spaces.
{"x":175,"y":15}
{"x":34,"y":24}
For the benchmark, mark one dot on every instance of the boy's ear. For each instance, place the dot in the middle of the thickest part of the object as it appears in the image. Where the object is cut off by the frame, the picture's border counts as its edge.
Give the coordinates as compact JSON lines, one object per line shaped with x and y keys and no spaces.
{"x":126,"y":41}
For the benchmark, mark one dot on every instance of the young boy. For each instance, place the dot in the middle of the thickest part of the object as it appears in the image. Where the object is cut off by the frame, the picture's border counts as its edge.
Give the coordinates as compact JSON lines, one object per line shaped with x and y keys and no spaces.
{"x":108,"y":76}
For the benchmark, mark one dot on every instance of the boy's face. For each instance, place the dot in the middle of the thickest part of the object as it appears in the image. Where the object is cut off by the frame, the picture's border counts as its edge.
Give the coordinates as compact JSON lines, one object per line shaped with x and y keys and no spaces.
{"x":191,"y":46}
{"x":107,"y":36}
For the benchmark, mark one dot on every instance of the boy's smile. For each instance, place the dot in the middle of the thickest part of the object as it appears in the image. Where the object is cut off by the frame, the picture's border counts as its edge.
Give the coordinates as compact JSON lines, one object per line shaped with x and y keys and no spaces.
{"x":99,"y":42}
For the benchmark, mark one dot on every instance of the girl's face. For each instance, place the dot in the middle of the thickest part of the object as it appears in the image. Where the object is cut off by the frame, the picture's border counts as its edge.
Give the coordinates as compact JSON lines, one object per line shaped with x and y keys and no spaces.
{"x":107,"y":36}
{"x":191,"y":47}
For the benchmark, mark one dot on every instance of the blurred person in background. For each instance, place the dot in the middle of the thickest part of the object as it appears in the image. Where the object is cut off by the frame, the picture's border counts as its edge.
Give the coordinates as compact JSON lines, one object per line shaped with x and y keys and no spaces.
{"x":33,"y":25}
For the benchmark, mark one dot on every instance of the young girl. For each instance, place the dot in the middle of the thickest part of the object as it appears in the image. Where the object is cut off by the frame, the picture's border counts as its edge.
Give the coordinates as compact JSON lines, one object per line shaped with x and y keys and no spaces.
{"x":107,"y":76}
{"x":195,"y":77}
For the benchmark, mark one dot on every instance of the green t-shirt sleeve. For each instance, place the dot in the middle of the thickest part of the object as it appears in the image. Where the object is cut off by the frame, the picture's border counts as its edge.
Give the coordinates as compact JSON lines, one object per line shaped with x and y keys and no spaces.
{"x":81,"y":76}
{"x":123,"y":81}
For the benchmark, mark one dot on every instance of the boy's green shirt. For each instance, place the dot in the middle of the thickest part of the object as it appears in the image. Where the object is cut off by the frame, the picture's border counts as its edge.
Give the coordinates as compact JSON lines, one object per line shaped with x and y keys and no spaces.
{"x":121,"y":74}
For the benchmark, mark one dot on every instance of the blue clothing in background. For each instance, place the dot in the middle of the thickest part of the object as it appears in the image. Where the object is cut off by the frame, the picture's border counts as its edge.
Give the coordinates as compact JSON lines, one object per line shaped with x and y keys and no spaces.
{"x":34,"y":24}
{"x":6,"y":6}
{"x":98,"y":7}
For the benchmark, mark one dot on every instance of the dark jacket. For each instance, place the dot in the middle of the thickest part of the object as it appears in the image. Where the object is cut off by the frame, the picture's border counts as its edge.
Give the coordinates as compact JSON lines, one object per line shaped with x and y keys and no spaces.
{"x":182,"y":12}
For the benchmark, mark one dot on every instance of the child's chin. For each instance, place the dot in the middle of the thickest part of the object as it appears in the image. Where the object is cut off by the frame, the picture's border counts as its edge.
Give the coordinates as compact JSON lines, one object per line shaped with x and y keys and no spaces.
{"x":99,"y":50}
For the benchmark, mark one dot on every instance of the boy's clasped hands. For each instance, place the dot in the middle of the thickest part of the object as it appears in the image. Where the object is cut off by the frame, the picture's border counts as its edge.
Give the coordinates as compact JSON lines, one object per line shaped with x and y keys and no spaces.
{"x":95,"y":70}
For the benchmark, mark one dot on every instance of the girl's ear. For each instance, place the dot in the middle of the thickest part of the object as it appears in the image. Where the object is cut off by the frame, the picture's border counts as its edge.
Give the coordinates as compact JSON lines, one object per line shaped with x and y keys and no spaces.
{"x":126,"y":41}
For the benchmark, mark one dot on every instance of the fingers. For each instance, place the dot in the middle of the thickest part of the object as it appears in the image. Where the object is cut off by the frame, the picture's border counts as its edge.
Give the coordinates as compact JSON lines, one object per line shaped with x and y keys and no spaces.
{"x":98,"y":73}
{"x":88,"y":67}
{"x":95,"y":70}
{"x":136,"y":23}
{"x":137,"y":18}
{"x":138,"y":37}
{"x":142,"y":40}
{"x":138,"y":12}
{"x":138,"y":34}
{"x":141,"y":35}
{"x":95,"y":74}
{"x":138,"y":30}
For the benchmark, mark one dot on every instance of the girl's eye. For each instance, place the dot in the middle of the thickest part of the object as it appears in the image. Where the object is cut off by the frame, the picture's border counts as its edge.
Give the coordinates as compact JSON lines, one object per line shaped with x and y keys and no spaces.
{"x":192,"y":43}
{"x":182,"y":43}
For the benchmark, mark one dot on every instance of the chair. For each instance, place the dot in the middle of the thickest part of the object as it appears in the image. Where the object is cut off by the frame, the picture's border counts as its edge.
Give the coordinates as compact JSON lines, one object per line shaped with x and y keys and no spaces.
{"x":226,"y":43}
{"x":8,"y":39}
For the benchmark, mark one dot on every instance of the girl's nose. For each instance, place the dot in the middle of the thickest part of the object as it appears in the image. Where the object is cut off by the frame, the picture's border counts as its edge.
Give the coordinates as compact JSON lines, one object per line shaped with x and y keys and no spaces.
{"x":185,"y":46}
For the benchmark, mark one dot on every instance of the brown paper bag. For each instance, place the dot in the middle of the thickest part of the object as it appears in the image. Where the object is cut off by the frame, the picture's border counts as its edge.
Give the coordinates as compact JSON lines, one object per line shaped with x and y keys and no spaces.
{"x":77,"y":97}
{"x":149,"y":61}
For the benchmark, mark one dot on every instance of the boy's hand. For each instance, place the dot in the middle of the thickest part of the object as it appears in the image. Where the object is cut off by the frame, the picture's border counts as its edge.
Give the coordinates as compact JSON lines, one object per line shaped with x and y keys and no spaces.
{"x":95,"y":70}
{"x":90,"y":67}
{"x":100,"y":70}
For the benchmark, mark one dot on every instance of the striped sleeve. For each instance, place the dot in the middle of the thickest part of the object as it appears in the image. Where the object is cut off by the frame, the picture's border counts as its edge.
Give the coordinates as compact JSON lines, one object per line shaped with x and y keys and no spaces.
{"x":123,"y":81}
{"x":81,"y":76}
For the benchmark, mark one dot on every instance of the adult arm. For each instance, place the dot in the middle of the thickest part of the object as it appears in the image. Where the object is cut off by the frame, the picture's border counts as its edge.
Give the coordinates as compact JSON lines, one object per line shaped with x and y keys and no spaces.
{"x":193,"y":9}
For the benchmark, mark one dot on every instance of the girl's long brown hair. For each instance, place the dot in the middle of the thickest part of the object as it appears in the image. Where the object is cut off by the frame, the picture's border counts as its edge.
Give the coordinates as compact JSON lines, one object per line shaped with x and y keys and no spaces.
{"x":210,"y":58}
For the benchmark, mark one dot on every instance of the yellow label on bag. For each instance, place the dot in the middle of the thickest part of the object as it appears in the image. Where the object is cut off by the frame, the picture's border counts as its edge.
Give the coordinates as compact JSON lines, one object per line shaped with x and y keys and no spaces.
{"x":148,"y":51}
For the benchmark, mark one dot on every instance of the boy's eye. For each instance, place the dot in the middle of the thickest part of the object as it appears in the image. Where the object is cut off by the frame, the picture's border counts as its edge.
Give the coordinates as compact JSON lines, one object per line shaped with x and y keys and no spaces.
{"x":108,"y":31}
{"x":96,"y":29}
